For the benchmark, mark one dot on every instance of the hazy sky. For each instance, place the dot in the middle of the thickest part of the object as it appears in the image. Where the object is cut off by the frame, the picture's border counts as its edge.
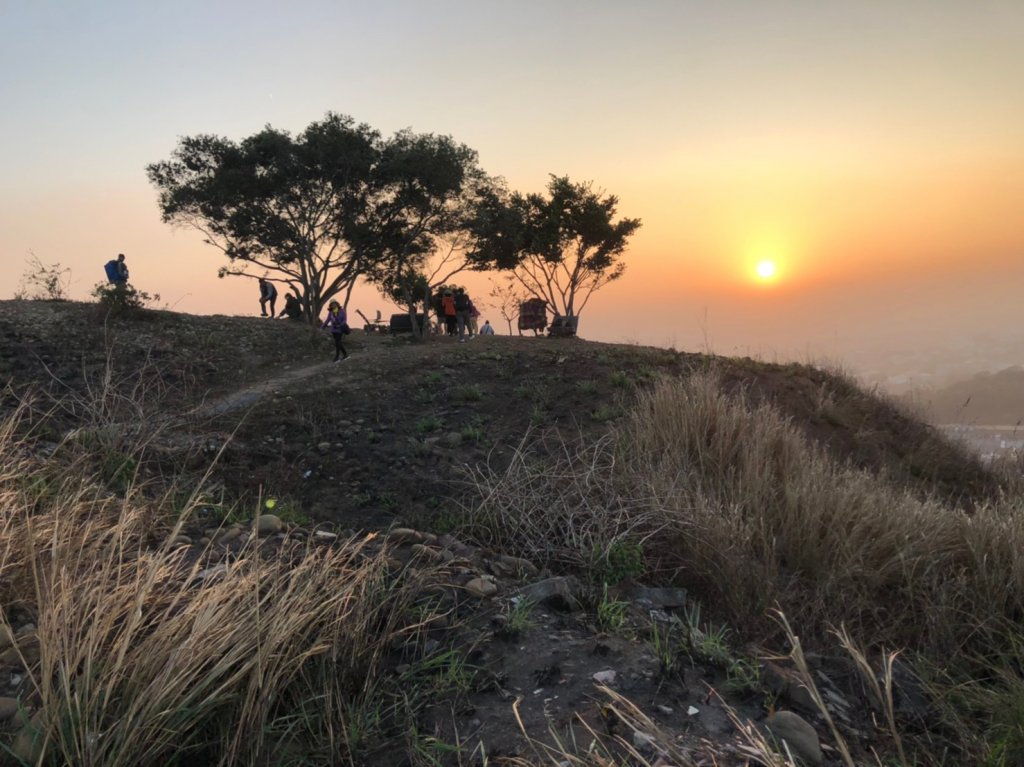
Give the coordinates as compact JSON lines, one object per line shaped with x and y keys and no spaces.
{"x":874,"y":150}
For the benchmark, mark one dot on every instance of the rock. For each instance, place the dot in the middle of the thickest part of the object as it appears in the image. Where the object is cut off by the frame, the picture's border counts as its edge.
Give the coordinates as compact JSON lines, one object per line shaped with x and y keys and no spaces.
{"x":479,"y":587}
{"x":661,"y":598}
{"x":226,"y":536}
{"x":518,"y":565}
{"x":268,"y":524}
{"x":559,"y":592}
{"x":181,"y":540}
{"x":405,"y":535}
{"x":10,"y":657}
{"x":28,"y":745}
{"x":323,"y":535}
{"x":692,"y":711}
{"x":787,"y":685}
{"x":6,"y":637}
{"x":605,"y":677}
{"x":8,"y":708}
{"x":644,"y":742}
{"x":800,"y":736}
{"x":453,"y":439}
{"x":666,"y":710}
{"x":211,"y":572}
{"x":324,"y":447}
{"x":425,"y":552}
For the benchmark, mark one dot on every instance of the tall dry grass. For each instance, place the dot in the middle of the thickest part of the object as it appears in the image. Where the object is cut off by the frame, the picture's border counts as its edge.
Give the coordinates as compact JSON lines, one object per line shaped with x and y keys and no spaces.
{"x":145,"y":656}
{"x":730,"y":499}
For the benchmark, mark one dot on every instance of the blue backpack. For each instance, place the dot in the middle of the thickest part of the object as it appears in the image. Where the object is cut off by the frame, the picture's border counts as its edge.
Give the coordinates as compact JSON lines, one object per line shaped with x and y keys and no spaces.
{"x":111,"y":269}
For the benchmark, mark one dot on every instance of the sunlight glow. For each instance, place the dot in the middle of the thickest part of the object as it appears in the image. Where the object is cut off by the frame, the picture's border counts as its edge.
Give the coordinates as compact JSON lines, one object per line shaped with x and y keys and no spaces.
{"x":766,"y":269}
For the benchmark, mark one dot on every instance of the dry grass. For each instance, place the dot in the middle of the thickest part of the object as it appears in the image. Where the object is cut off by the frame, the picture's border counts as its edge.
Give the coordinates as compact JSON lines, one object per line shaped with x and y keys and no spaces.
{"x":140,"y":659}
{"x":730,"y":500}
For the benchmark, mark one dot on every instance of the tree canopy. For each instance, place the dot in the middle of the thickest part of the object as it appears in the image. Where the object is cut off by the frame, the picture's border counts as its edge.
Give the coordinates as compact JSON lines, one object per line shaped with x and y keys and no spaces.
{"x":321,"y":209}
{"x":560,"y":247}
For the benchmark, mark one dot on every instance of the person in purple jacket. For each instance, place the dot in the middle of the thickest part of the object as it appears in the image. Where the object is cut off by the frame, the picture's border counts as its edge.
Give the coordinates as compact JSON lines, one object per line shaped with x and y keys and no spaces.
{"x":337,"y":323}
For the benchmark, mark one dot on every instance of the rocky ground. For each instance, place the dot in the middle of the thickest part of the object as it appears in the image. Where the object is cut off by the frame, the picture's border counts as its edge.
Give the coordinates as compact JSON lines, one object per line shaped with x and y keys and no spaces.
{"x":381,"y":444}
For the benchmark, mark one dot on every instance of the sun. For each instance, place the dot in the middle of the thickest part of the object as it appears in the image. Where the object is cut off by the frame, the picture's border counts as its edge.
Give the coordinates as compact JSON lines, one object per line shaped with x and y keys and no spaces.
{"x":766,"y":269}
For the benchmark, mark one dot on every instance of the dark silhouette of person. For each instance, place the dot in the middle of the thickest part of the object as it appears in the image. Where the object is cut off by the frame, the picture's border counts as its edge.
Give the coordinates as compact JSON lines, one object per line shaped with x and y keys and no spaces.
{"x":268,"y":294}
{"x":292,"y":307}
{"x":117,"y":271}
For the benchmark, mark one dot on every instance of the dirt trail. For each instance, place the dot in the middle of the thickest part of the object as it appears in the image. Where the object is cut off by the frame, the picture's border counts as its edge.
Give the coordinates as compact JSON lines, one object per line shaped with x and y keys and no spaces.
{"x":250,"y":395}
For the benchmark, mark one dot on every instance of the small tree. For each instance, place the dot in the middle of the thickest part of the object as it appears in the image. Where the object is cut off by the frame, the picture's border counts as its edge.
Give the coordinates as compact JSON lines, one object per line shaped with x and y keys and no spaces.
{"x":560,"y":248}
{"x":43,"y":283}
{"x":507,"y":297}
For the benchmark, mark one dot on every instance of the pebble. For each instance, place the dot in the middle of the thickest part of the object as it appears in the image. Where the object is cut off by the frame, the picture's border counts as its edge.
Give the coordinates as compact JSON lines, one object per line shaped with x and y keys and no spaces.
{"x":479,"y":587}
{"x":605,"y":677}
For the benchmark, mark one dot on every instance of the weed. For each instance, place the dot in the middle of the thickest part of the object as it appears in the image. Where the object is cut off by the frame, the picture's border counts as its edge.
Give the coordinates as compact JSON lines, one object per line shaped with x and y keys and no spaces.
{"x":517,"y":615}
{"x":614,"y":563}
{"x":611,"y":613}
{"x":606,"y":413}
{"x":587,"y":386}
{"x":429,"y":424}
{"x":470,"y":393}
{"x":434,"y":378}
{"x":620,"y":379}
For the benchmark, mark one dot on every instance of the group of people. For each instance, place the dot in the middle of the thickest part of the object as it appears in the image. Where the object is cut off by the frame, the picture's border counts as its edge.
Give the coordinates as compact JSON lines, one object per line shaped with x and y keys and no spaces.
{"x":268,"y":295}
{"x":460,"y":315}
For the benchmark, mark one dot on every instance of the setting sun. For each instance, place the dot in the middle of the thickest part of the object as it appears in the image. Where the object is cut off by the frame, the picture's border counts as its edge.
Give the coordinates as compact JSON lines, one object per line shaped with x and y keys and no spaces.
{"x":766,"y":269}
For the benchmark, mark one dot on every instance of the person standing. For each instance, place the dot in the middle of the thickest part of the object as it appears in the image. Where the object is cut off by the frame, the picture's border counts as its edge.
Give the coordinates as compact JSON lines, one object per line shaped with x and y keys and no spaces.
{"x":474,"y":316}
{"x":268,"y":294}
{"x":462,"y":304}
{"x":448,"y":308}
{"x":337,"y":322}
{"x":117,"y":271}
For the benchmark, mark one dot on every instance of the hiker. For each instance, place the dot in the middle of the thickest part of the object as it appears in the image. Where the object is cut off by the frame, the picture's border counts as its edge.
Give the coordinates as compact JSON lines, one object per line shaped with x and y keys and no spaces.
{"x":292,"y":307}
{"x":487,"y":330}
{"x":474,"y":315}
{"x":337,"y":322}
{"x":462,"y":304}
{"x":268,"y":293}
{"x":117,"y":271}
{"x":448,"y":308}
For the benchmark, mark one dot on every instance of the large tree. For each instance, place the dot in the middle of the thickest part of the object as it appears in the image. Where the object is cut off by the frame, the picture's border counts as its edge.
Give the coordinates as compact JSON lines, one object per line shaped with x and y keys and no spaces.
{"x":321,"y":209}
{"x":416,"y":215}
{"x":560,"y":247}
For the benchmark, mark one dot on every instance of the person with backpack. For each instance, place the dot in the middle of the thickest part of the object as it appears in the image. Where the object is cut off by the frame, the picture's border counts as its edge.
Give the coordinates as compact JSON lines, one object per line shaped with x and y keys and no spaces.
{"x":462,"y":311}
{"x":117,"y":271}
{"x":268,"y":293}
{"x":337,"y":322}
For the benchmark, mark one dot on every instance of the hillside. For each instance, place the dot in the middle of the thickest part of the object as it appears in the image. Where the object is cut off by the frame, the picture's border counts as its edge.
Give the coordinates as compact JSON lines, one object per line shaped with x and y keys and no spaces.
{"x":988,"y":399}
{"x":503,"y":524}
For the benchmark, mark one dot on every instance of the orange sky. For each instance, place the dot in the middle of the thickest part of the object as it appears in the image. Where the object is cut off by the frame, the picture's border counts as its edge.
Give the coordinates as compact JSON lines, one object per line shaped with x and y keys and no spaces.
{"x":875,"y":151}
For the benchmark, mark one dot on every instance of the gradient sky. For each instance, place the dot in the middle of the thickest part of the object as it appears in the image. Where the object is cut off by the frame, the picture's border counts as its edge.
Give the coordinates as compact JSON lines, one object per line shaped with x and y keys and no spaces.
{"x":874,"y":149}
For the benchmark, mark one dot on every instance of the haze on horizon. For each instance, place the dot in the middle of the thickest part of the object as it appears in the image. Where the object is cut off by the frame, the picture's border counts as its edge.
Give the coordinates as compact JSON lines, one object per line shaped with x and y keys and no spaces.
{"x":872,"y":151}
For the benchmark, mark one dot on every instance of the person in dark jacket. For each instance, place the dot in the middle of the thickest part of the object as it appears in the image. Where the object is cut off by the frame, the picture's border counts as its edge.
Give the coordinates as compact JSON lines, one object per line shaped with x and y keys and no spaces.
{"x":292,"y":307}
{"x":337,"y":322}
{"x":462,"y":312}
{"x":117,"y":271}
{"x":268,"y":294}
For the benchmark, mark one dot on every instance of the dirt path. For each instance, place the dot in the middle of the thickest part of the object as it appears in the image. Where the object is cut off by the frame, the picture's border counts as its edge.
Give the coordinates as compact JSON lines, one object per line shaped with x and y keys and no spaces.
{"x":250,"y":395}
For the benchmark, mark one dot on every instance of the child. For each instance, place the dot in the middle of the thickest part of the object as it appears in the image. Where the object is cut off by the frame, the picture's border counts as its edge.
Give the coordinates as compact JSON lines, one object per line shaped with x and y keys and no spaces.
{"x":337,"y":323}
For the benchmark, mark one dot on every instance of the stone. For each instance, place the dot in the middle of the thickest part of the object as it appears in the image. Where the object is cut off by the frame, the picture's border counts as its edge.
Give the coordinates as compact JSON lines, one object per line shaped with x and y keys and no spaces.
{"x":226,"y":536}
{"x":324,"y":447}
{"x":404,"y":535}
{"x":800,"y":736}
{"x":605,"y":677}
{"x":559,"y":592}
{"x":479,"y":587}
{"x":28,"y":745}
{"x":519,"y":565}
{"x":6,"y":636}
{"x":8,"y":708}
{"x":662,"y":598}
{"x":425,"y":552}
{"x":453,"y":439}
{"x":181,"y":540}
{"x":324,"y":535}
{"x":268,"y":524}
{"x":644,"y":742}
{"x":787,"y":685}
